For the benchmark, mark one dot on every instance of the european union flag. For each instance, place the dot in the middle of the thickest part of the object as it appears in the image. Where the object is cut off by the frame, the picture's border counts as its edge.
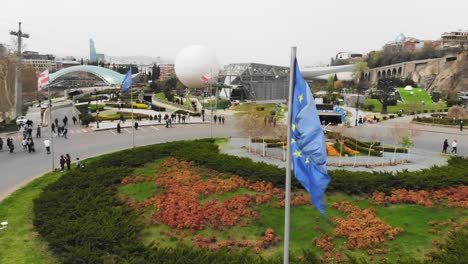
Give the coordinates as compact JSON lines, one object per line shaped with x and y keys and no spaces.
{"x":309,"y":153}
{"x":127,"y":81}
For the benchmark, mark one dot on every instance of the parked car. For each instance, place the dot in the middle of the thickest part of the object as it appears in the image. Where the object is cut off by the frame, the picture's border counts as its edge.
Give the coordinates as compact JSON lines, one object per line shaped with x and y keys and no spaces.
{"x":21,"y":120}
{"x":45,"y":105}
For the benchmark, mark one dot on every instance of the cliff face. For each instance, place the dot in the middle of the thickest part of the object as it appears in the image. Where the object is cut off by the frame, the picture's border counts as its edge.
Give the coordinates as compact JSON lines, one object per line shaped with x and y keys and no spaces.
{"x":444,"y":75}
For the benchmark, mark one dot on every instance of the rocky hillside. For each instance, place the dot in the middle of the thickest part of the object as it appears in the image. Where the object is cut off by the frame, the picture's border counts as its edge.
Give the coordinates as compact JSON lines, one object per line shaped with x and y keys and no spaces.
{"x":444,"y":75}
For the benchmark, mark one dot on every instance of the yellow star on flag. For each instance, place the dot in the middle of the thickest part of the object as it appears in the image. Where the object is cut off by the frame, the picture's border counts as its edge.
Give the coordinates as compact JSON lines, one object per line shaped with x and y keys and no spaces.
{"x":293,"y":141}
{"x":301,"y":98}
{"x":293,"y":127}
{"x":307,"y":161}
{"x":297,"y":153}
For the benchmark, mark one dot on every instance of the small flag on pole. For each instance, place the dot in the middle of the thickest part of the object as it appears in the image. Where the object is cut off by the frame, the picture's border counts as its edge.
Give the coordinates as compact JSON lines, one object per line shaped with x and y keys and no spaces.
{"x":42,"y":80}
{"x":127,"y":81}
{"x":308,"y":150}
{"x":206,"y":78}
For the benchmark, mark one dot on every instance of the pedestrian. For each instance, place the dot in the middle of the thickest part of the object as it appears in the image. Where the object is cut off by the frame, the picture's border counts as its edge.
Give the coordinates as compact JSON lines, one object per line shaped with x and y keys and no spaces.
{"x":170,"y":122}
{"x":62,"y":163}
{"x":10,"y":144}
{"x":29,"y":132}
{"x":1,"y":144}
{"x":167,"y":123}
{"x":65,"y":132}
{"x":47,"y":145}
{"x":68,"y":161}
{"x":445,"y":146}
{"x":183,"y":119}
{"x":74,"y":120}
{"x":24,"y":143}
{"x":65,"y":121}
{"x":56,"y":122}
{"x":222,"y":119}
{"x":38,"y":131}
{"x":31,"y":147}
{"x":59,"y":131}
{"x":178,"y":118}
{"x":136,"y":125}
{"x":215,"y":118}
{"x":78,"y":163}
{"x":454,"y":146}
{"x":53,"y":128}
{"x":159,"y":117}
{"x":461,"y":125}
{"x":118,"y":127}
{"x":360,"y":120}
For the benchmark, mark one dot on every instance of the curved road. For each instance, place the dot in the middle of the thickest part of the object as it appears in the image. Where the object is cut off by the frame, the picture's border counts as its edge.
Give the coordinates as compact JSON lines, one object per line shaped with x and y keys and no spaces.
{"x":21,"y":167}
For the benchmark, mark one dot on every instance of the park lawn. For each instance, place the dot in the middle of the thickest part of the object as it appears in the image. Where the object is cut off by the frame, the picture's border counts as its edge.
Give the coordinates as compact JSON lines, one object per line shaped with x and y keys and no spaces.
{"x":405,"y":107}
{"x":19,"y":243}
{"x":246,"y":107}
{"x":415,"y":96}
{"x":306,"y":222}
{"x":160,"y":96}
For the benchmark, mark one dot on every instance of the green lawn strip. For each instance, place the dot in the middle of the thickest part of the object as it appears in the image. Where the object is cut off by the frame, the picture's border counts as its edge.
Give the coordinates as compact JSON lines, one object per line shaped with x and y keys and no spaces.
{"x":19,"y":243}
{"x":415,"y":96}
{"x":244,"y":108}
{"x":405,"y":107}
{"x":140,"y":191}
{"x":161,"y":97}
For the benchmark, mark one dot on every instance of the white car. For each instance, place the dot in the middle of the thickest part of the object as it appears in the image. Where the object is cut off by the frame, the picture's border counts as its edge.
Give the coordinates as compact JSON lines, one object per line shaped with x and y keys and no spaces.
{"x":45,"y":105}
{"x":21,"y":120}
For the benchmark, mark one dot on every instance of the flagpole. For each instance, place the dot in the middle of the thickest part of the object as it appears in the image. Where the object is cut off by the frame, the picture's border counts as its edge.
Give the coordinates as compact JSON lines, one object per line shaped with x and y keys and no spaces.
{"x":50,"y":128}
{"x":133,"y":125}
{"x":287,"y":200}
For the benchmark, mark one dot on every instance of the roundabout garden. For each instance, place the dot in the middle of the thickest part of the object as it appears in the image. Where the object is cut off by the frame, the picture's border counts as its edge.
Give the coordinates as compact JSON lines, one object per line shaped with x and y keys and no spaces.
{"x":184,"y":202}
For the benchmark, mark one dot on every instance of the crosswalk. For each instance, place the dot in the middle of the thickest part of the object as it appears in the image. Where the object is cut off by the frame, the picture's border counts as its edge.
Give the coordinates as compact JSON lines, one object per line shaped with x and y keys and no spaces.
{"x":71,"y":131}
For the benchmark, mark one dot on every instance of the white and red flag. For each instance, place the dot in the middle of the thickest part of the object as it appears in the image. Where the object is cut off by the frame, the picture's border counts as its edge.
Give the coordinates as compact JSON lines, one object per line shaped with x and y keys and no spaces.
{"x":206,"y":78}
{"x":43,"y":79}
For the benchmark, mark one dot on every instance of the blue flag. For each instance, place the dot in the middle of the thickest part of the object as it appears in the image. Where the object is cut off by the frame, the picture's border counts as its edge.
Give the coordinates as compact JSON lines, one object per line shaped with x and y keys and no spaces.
{"x":308,"y":150}
{"x":127,"y":81}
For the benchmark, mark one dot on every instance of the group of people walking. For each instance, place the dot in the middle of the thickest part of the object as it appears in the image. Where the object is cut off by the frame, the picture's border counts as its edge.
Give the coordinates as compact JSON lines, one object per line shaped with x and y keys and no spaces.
{"x":9,"y":144}
{"x":65,"y":160}
{"x":62,"y":130}
{"x":446,"y":145}
{"x":220,"y":119}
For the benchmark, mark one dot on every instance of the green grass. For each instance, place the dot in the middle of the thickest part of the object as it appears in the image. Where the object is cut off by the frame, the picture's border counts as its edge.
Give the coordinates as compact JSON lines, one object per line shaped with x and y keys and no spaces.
{"x":19,"y":243}
{"x":307,"y":223}
{"x":405,"y":107}
{"x":161,"y":96}
{"x":418,"y":95}
{"x":245,"y":107}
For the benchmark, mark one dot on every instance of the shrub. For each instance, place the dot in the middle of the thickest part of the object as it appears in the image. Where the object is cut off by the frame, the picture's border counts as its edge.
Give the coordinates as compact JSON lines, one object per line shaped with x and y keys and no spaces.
{"x":385,"y":117}
{"x":453,"y":250}
{"x":83,"y":220}
{"x":363,"y":149}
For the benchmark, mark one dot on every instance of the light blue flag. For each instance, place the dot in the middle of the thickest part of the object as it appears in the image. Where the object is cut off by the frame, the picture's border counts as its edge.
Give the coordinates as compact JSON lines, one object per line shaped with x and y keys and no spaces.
{"x":127,"y":81}
{"x":309,"y":153}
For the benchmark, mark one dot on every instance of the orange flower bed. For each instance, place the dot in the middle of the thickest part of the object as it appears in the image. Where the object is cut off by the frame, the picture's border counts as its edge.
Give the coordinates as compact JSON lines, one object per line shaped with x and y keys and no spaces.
{"x":350,"y":150}
{"x":331,"y":151}
{"x":362,"y":227}
{"x":449,"y":197}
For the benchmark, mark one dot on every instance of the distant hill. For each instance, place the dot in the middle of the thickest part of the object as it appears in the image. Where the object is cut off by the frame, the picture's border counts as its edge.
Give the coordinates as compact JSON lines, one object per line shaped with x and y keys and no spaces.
{"x":145,"y":60}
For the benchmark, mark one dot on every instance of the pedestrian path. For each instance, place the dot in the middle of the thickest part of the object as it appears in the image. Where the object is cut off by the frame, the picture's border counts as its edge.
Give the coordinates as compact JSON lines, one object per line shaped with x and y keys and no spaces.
{"x":419,"y":159}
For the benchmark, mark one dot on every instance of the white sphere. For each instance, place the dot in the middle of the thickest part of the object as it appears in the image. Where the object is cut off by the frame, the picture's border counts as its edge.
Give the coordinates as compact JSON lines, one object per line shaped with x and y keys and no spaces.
{"x":193,"y":62}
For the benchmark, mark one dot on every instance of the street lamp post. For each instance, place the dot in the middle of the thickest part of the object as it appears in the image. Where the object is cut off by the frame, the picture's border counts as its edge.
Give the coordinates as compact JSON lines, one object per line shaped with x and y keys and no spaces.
{"x":357,"y":110}
{"x":97,"y":109}
{"x":422,"y":106}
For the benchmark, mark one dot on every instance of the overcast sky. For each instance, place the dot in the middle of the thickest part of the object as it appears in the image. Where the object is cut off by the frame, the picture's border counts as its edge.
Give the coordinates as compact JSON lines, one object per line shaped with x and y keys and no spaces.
{"x":237,"y":30}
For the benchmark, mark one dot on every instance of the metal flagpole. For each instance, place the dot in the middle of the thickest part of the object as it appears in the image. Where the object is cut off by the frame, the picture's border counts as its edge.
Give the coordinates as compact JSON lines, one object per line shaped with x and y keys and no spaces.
{"x":287,"y":200}
{"x":50,"y":128}
{"x":133,"y":122}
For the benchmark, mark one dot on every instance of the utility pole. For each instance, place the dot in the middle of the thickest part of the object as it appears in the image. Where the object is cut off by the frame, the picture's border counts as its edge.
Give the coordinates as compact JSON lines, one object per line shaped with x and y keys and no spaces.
{"x":18,"y":78}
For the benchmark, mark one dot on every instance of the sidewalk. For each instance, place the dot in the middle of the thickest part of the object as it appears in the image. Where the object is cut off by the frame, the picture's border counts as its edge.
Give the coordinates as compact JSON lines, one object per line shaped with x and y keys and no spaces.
{"x":419,"y":159}
{"x":107,"y":125}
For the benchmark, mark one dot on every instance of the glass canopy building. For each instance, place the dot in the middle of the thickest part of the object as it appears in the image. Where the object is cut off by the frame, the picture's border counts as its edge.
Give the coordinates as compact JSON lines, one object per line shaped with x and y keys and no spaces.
{"x":86,"y":75}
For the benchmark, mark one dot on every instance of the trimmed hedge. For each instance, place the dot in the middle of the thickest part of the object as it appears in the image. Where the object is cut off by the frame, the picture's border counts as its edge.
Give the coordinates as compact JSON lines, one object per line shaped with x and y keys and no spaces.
{"x":267,"y":140}
{"x":391,"y":149}
{"x":83,"y":221}
{"x":365,"y":150}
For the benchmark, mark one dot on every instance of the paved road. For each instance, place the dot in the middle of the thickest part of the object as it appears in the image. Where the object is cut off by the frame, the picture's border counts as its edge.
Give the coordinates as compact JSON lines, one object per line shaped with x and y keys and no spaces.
{"x":19,"y":168}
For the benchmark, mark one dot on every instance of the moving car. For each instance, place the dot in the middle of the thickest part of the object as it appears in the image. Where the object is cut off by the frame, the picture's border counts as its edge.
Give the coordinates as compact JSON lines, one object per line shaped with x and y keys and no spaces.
{"x":21,"y":120}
